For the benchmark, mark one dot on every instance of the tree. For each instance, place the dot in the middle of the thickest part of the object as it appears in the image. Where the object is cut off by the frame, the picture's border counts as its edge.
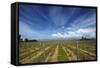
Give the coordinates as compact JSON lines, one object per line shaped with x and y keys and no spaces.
{"x":84,"y":38}
{"x":20,"y":39}
{"x":26,"y":39}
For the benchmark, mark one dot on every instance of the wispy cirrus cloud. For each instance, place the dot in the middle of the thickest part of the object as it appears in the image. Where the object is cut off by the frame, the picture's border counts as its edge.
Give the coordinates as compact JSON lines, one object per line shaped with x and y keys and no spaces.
{"x":26,"y":31}
{"x":48,"y":22}
{"x":59,"y":16}
{"x":83,"y":21}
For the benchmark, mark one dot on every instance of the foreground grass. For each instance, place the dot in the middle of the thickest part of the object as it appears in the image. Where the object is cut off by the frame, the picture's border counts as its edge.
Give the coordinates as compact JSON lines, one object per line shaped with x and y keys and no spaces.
{"x":62,"y":55}
{"x":27,"y":50}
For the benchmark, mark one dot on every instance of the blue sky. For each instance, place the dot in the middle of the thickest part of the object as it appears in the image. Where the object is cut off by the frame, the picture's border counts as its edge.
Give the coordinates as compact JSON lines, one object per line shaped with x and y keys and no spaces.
{"x":52,"y":22}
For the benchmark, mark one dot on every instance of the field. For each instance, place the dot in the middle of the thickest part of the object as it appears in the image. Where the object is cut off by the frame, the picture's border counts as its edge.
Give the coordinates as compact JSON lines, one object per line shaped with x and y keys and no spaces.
{"x":56,"y":51}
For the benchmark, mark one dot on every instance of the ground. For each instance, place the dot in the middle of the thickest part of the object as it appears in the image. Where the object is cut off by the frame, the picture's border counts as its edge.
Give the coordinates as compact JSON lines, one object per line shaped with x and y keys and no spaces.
{"x":56,"y":51}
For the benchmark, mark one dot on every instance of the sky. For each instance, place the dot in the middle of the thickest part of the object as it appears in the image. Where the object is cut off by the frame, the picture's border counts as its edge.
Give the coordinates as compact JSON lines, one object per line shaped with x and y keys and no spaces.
{"x":53,"y":22}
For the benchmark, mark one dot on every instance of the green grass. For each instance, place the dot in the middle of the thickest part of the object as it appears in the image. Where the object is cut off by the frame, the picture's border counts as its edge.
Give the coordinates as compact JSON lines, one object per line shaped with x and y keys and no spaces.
{"x":30,"y":49}
{"x":62,"y":55}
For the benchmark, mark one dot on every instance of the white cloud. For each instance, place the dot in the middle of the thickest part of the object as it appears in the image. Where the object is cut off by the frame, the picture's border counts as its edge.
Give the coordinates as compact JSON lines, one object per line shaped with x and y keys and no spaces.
{"x":86,"y":30}
{"x":89,"y":32}
{"x":77,"y":34}
{"x":66,"y":35}
{"x":58,"y":35}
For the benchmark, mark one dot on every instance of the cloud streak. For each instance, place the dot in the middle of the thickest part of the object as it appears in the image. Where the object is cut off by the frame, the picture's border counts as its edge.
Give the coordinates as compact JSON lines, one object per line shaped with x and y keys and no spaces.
{"x":49,"y":22}
{"x":84,"y":22}
{"x":26,"y":31}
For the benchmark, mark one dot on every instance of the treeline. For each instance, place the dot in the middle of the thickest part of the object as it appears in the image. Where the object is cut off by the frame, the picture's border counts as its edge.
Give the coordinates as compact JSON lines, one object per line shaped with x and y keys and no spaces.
{"x":84,"y":38}
{"x":26,"y":39}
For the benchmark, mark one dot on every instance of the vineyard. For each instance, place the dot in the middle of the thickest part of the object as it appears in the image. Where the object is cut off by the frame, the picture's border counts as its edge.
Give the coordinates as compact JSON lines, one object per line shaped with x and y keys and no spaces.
{"x":56,"y":51}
